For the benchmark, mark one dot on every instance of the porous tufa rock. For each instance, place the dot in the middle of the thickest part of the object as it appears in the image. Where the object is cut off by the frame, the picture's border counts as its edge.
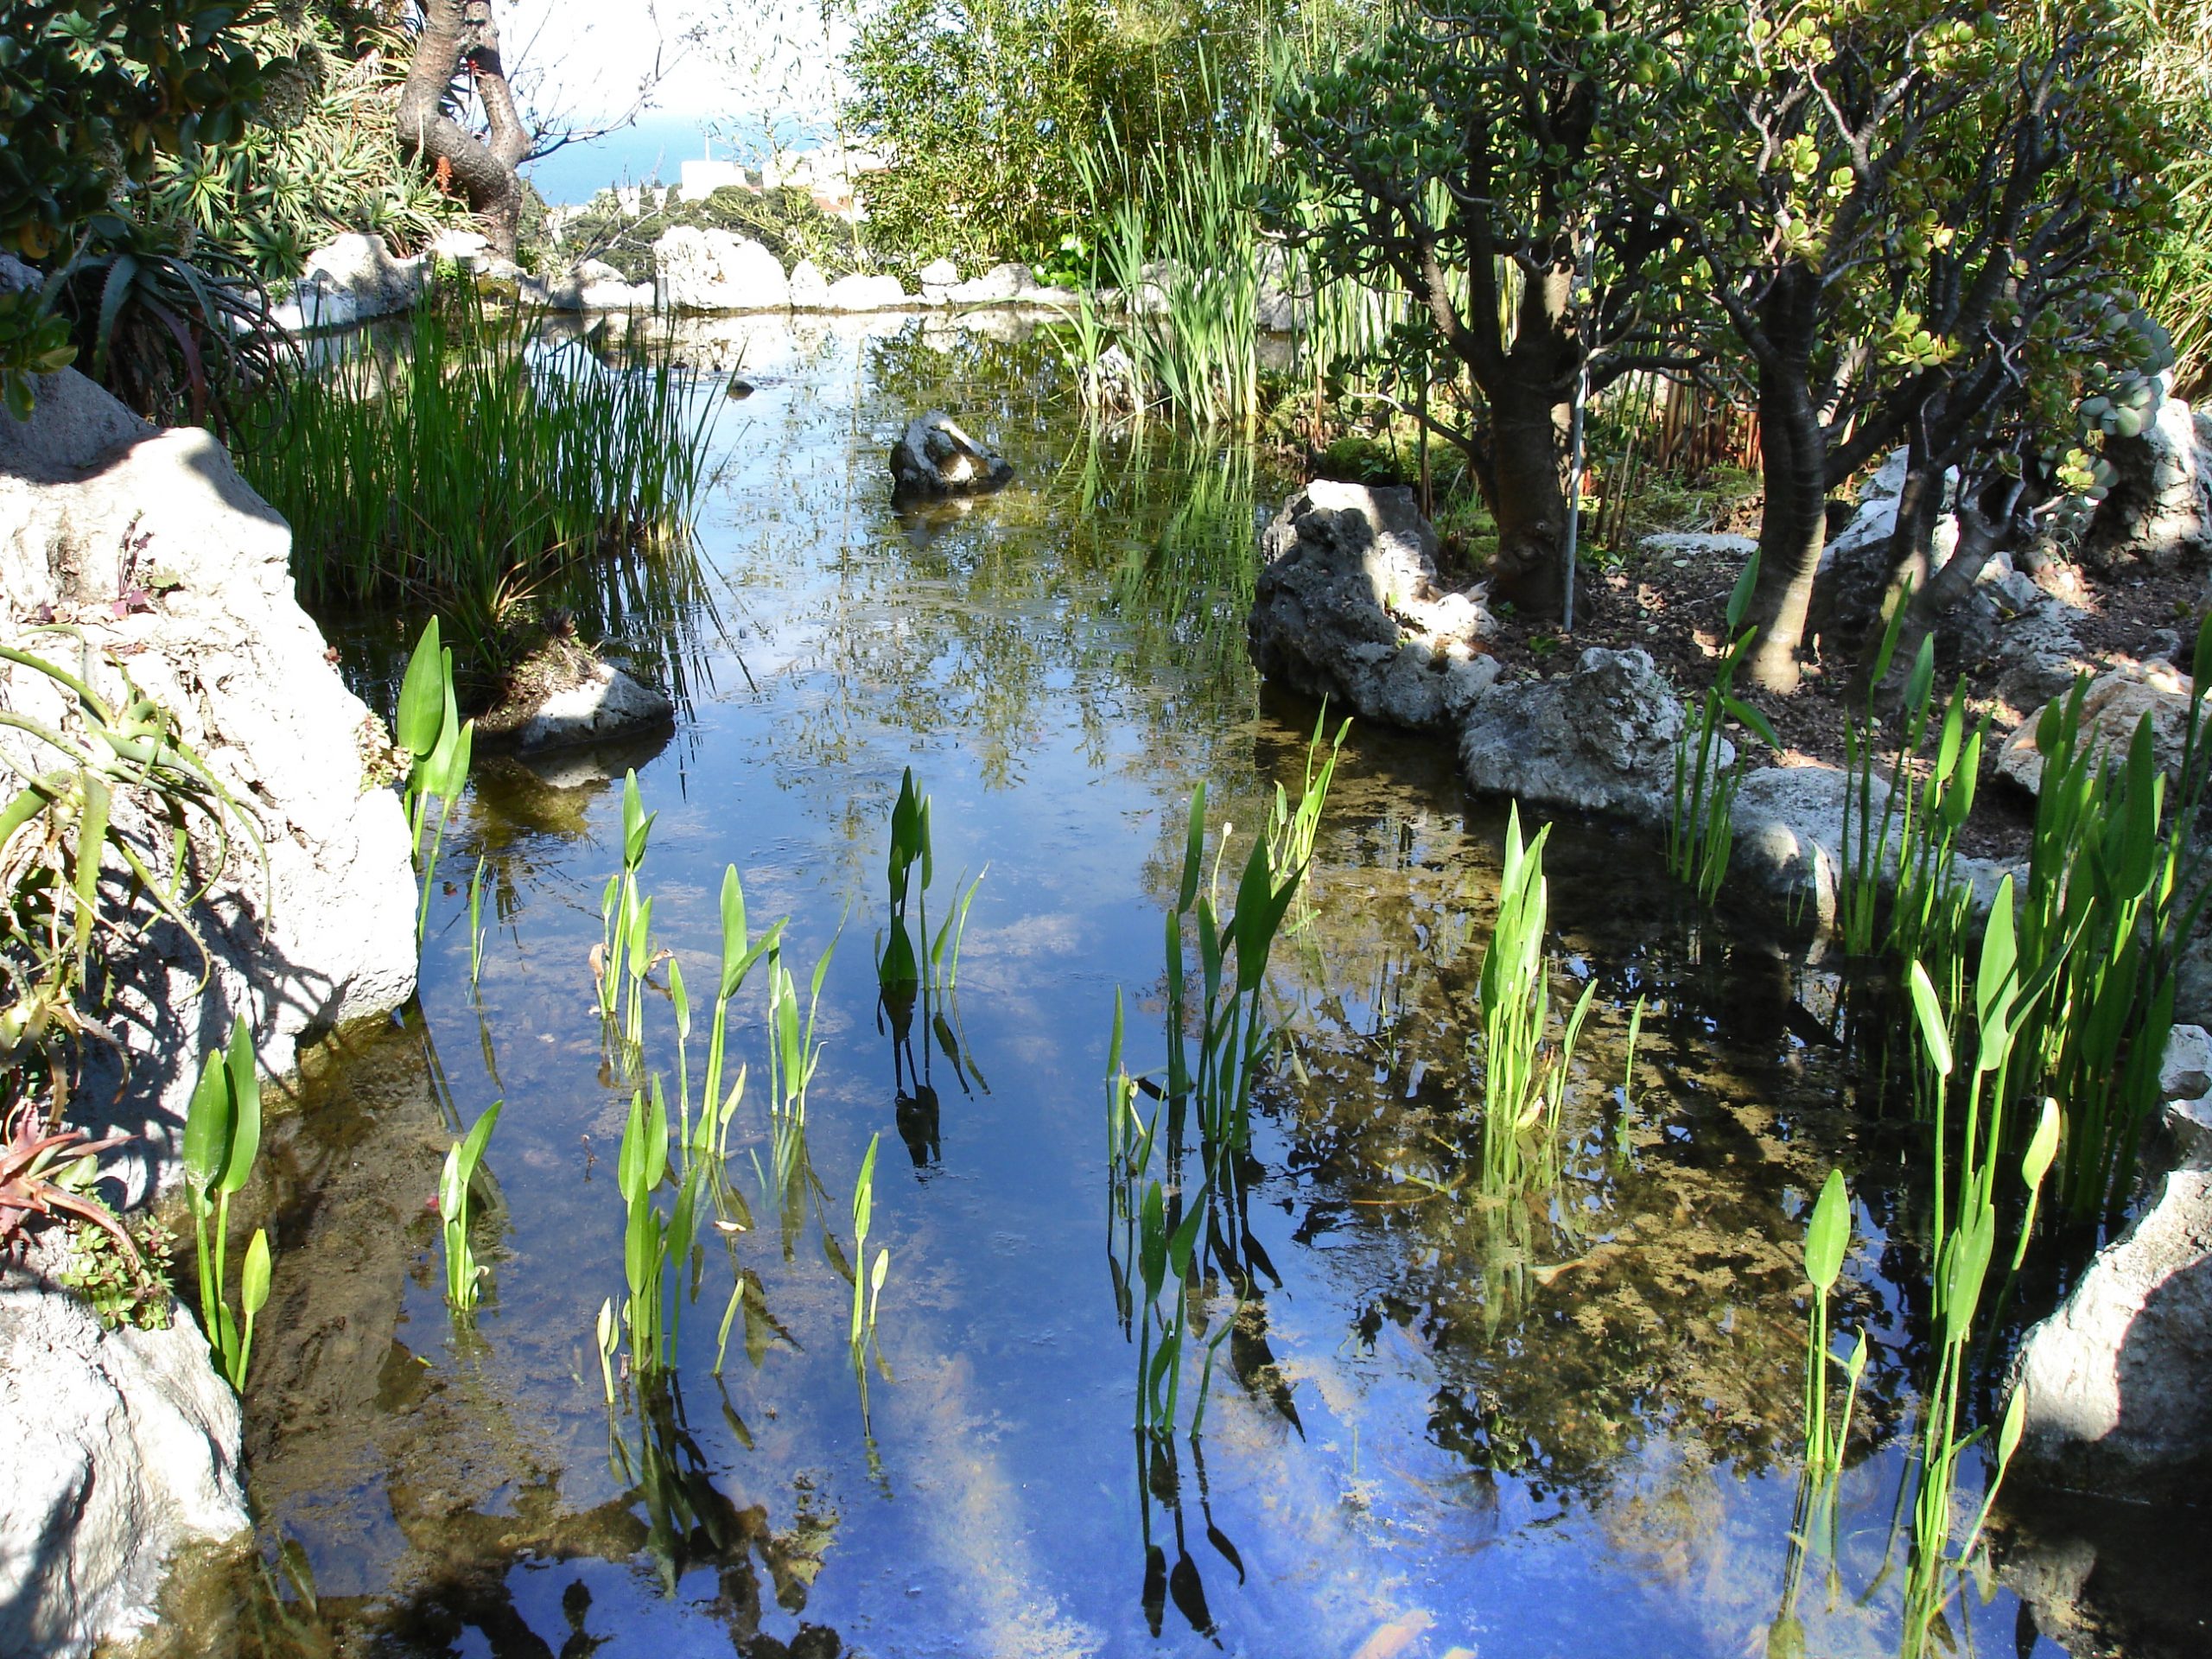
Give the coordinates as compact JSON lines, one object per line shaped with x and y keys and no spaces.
{"x":715,"y":270}
{"x":1348,"y":605}
{"x":2112,"y":709}
{"x":1599,"y":738}
{"x":122,"y":1448}
{"x":858,"y":293}
{"x":2113,"y":1395}
{"x":934,"y":459}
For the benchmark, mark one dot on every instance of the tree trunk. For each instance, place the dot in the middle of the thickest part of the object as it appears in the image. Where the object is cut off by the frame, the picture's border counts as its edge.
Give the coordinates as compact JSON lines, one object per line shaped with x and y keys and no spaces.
{"x":460,"y":36}
{"x":1793,"y":525}
{"x":1526,"y":387}
{"x":1527,"y":501}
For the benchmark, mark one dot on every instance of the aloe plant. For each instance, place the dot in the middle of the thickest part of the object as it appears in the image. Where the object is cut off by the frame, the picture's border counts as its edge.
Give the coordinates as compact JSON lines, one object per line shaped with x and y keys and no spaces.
{"x":222,"y":1138}
{"x":456,"y":1210}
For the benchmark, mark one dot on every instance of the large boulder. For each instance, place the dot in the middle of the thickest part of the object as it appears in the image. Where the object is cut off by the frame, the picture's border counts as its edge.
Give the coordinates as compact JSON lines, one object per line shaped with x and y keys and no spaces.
{"x":352,"y":278}
{"x":2113,"y":707}
{"x":858,"y":293}
{"x":713,"y":270}
{"x":600,"y":287}
{"x":934,"y":459}
{"x":810,"y":288}
{"x":937,"y":279}
{"x":122,"y":1448}
{"x":155,"y":557}
{"x":2115,"y":1396}
{"x":1000,"y":285}
{"x":2159,"y":508}
{"x":1348,"y":605}
{"x":1600,"y":738}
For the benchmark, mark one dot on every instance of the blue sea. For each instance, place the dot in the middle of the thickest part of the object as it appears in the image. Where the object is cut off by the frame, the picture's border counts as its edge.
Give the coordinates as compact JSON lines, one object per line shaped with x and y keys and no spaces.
{"x":653,"y":150}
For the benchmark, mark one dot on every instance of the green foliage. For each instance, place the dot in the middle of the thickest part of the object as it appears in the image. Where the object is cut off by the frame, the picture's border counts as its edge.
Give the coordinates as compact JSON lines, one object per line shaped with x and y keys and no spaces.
{"x":457,"y":1210}
{"x":320,"y":155}
{"x":983,"y":106}
{"x":1700,"y":829}
{"x":123,"y":1287}
{"x":109,"y":762}
{"x":483,"y":466}
{"x":96,"y":92}
{"x":430,"y":729}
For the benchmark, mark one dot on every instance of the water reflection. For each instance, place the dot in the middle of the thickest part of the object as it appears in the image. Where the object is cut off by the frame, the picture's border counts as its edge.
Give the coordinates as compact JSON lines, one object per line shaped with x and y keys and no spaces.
{"x":1561,"y":1419}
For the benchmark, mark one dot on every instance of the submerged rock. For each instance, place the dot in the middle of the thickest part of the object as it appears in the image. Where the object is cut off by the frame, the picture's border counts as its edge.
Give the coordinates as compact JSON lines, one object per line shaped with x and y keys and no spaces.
{"x":122,"y":1448}
{"x":933,"y":458}
{"x":1600,"y":739}
{"x":2114,"y":1381}
{"x":1348,"y":605}
{"x":561,"y":694}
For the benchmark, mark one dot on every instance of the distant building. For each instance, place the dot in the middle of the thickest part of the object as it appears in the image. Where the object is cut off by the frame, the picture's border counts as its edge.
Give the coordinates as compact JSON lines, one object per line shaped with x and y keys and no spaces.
{"x":701,"y":179}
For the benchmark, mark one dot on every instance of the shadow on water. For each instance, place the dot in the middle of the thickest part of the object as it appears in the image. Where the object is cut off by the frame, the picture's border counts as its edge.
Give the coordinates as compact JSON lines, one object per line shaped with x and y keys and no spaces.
{"x":1448,"y":1419}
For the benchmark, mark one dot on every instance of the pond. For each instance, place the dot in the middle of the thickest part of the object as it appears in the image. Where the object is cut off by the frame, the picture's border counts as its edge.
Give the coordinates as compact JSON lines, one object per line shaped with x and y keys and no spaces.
{"x":1565,"y":1419}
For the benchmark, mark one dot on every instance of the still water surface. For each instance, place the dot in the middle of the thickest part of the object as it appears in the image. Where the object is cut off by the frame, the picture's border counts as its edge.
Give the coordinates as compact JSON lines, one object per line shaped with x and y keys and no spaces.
{"x":1562,"y":1423}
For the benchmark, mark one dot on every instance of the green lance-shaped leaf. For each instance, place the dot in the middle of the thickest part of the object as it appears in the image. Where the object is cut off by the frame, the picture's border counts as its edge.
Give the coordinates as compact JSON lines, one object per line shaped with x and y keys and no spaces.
{"x":636,"y":823}
{"x":1920,"y":685}
{"x":253,"y":1277}
{"x":1739,"y":597}
{"x":877,"y":1274}
{"x":423,"y":696}
{"x":208,"y":1126}
{"x":734,"y":950}
{"x":680,"y":1000}
{"x":1966,"y":1265}
{"x":1185,"y":1238}
{"x":1935,"y":1036}
{"x":1152,"y":1240}
{"x":1993,"y":977}
{"x":1751,"y":718}
{"x":461,"y":1159}
{"x":1828,"y":1234}
{"x":243,"y":1083}
{"x":1194,"y":851}
{"x":864,"y":1190}
{"x":2009,"y":1431}
{"x":2042,"y":1147}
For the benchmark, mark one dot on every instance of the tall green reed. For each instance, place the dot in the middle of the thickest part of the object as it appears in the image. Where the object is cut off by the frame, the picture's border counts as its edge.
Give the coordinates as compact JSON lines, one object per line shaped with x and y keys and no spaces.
{"x":1524,"y":1079}
{"x":479,"y":462}
{"x":1218,"y":1040}
{"x":1700,"y":831}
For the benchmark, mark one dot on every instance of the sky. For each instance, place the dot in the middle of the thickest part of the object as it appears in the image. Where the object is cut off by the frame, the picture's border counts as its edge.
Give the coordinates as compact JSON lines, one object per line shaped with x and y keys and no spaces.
{"x":722,"y":72}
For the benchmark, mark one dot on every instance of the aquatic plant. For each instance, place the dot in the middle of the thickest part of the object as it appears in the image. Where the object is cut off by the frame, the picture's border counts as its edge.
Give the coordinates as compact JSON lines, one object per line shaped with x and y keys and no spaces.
{"x":1827,"y":1235}
{"x":481,"y":461}
{"x":934,"y":970}
{"x":2117,"y":885}
{"x":457,"y":1210}
{"x":1524,"y":1084}
{"x":430,"y":730}
{"x":1700,"y":831}
{"x":1963,"y":1236}
{"x":620,"y":906}
{"x":222,"y":1138}
{"x":863,"y":1331}
{"x":476,"y":924}
{"x":647,"y":1246}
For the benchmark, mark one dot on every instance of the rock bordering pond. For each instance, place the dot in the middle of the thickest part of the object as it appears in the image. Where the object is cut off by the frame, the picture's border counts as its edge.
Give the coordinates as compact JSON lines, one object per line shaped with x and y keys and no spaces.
{"x":156,"y":556}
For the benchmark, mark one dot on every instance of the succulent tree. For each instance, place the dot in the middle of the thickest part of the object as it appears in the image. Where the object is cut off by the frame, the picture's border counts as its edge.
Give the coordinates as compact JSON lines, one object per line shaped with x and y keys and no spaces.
{"x":1479,"y":157}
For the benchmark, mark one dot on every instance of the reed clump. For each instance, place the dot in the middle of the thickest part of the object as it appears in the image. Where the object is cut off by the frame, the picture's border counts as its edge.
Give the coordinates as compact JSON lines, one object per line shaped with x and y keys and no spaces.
{"x":480,"y":463}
